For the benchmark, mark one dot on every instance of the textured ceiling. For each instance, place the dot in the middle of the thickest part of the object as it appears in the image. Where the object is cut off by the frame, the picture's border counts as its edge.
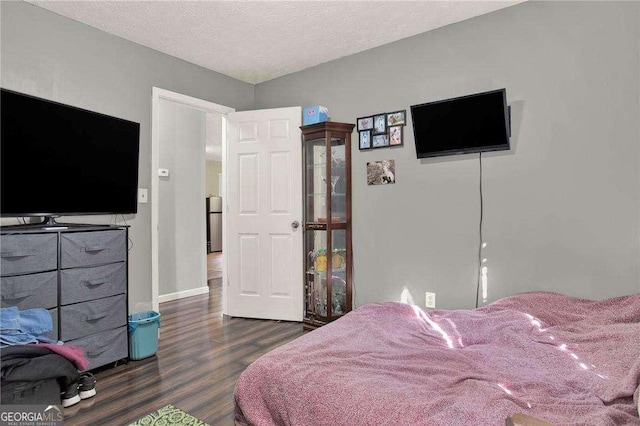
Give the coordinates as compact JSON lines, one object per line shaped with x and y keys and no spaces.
{"x":255,"y":41}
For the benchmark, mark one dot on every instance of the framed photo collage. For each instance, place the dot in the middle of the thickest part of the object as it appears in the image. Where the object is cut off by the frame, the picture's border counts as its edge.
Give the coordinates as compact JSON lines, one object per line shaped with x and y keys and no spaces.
{"x":382,"y":130}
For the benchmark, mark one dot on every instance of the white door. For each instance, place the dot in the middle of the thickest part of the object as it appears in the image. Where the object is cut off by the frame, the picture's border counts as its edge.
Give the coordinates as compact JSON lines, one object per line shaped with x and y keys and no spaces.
{"x":264,"y":216}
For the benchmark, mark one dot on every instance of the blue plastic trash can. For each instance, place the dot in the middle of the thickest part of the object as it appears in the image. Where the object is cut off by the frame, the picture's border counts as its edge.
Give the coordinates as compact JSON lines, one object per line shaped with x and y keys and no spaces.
{"x":143,"y":334}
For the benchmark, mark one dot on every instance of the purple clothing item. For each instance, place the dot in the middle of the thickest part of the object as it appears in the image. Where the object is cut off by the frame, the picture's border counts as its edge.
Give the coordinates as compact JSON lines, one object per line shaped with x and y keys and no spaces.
{"x":74,"y":354}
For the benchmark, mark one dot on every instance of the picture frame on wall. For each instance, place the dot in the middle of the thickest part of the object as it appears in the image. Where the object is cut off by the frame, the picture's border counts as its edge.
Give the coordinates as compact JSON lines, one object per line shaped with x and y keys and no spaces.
{"x":396,"y":135}
{"x":379,"y":141}
{"x":365,"y":123}
{"x":365,"y":139}
{"x":379,"y":124}
{"x":381,"y":172}
{"x":397,"y":118}
{"x":382,"y":130}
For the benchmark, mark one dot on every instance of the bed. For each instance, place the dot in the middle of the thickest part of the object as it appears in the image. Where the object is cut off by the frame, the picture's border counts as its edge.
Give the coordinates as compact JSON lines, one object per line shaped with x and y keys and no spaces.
{"x":557,"y":358}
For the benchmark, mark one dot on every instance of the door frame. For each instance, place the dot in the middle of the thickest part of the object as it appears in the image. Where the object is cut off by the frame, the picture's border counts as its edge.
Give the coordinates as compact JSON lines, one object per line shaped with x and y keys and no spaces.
{"x":207,"y":107}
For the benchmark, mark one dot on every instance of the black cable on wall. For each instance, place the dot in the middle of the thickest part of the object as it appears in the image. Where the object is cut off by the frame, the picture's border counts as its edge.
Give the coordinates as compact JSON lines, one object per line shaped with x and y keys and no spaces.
{"x":480,"y":242}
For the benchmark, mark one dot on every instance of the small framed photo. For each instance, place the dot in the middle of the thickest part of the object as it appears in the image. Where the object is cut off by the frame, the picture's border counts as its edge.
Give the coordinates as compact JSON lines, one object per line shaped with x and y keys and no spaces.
{"x":365,"y":139}
{"x":396,"y":118}
{"x":395,"y":135}
{"x":365,"y":123}
{"x":379,"y":124}
{"x":381,"y":172}
{"x":379,"y":141}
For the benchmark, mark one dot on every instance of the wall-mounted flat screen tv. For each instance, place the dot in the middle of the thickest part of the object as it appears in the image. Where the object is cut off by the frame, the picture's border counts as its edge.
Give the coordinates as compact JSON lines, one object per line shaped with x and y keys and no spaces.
{"x":467,"y":124}
{"x":58,"y":160}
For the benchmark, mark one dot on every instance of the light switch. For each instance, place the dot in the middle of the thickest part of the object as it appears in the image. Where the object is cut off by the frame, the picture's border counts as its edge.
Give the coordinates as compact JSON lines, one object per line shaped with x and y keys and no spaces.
{"x":163,"y":172}
{"x":143,"y":195}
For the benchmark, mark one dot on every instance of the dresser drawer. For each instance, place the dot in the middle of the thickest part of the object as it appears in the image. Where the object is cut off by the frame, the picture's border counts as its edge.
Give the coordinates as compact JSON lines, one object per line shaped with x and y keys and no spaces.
{"x":30,"y":291}
{"x":92,"y":248}
{"x":86,"y":318}
{"x":81,"y":284}
{"x":104,"y":348}
{"x":22,"y":254}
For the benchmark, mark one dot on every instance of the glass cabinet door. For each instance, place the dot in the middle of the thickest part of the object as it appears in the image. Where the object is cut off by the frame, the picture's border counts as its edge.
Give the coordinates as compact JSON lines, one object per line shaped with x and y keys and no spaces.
{"x":315,"y":181}
{"x":338,"y":180}
{"x":327,"y":222}
{"x":324,"y":193}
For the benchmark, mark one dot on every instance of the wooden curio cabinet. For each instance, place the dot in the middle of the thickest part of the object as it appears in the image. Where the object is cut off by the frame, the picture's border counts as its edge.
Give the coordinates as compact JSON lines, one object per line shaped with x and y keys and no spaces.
{"x":327,"y":228}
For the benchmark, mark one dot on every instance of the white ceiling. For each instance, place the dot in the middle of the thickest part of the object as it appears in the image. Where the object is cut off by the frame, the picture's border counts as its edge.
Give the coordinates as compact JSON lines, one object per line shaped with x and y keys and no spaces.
{"x":255,"y":41}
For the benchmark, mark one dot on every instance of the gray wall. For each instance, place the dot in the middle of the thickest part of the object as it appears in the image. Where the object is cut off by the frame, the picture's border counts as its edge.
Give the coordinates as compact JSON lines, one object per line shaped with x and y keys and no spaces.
{"x":181,"y":217}
{"x":562,"y":208}
{"x":212,"y":187}
{"x":53,"y":57}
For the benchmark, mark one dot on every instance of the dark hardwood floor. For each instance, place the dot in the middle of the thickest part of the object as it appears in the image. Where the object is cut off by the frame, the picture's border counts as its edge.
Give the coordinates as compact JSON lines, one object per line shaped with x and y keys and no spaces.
{"x":200,"y":356}
{"x":214,"y":265}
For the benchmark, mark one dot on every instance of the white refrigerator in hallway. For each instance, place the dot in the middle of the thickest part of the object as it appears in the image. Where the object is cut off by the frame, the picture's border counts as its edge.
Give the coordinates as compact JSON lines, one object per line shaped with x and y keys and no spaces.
{"x":214,"y":224}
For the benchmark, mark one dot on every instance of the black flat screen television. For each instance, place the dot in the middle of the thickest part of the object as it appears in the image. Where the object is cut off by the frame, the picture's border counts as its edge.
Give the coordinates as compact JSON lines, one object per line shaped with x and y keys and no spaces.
{"x":58,"y":160}
{"x":468,"y":124}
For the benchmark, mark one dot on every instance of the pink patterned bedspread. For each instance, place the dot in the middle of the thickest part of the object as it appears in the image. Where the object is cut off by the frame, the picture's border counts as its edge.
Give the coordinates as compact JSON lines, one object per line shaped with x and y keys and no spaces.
{"x":562,"y":359}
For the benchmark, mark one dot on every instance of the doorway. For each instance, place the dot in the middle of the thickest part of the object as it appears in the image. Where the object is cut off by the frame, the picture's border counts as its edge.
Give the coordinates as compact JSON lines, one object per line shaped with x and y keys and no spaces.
{"x":214,"y":200}
{"x":261,"y":273}
{"x":186,"y":263}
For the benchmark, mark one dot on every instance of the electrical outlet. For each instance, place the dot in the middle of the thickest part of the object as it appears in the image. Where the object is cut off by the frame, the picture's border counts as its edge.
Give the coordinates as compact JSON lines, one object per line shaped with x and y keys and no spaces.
{"x":430,"y":300}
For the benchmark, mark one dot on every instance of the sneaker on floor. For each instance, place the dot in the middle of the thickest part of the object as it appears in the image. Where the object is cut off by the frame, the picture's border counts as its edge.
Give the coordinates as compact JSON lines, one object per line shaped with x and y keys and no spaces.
{"x":87,"y":386}
{"x":70,"y":395}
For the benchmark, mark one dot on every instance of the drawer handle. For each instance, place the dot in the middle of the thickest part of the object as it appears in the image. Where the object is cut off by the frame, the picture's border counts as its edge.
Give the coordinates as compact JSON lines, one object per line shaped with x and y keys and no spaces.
{"x":11,"y":254}
{"x":93,"y":283}
{"x":18,"y":295}
{"x":90,"y":249}
{"x":97,"y":351}
{"x":96,"y":316}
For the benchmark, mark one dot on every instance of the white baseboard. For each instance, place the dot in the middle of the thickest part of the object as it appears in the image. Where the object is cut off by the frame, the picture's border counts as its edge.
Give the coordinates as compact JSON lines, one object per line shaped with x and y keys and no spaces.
{"x":182,"y":294}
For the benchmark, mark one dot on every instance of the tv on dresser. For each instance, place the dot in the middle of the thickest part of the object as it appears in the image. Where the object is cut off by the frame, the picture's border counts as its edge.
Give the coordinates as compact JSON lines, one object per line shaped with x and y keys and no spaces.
{"x":60,"y":160}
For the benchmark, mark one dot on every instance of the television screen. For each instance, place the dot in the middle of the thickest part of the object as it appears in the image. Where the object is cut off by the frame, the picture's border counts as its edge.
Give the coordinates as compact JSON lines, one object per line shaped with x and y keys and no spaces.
{"x":474,"y":123}
{"x":60,"y":160}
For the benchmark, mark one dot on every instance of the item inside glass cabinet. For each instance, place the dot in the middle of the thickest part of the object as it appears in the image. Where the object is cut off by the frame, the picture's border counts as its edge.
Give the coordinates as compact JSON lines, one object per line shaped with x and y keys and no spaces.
{"x":339,"y":290}
{"x":338,"y":260}
{"x":321,"y":263}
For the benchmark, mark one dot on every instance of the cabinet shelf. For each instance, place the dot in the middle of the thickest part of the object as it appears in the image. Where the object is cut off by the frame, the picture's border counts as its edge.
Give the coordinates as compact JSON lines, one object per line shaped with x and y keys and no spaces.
{"x":323,"y":274}
{"x":318,"y":165}
{"x":322,"y":226}
{"x":324,"y":194}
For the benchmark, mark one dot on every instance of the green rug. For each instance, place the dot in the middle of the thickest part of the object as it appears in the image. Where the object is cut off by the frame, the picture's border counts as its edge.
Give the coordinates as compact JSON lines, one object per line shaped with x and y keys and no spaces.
{"x":168,"y":415}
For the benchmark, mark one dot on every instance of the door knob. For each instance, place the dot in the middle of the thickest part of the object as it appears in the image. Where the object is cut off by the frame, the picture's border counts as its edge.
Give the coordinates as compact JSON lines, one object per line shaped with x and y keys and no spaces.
{"x":295,"y":224}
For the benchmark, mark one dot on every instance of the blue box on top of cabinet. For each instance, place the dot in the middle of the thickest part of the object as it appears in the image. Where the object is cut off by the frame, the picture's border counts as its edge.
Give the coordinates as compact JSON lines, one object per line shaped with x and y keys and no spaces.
{"x":314,"y":114}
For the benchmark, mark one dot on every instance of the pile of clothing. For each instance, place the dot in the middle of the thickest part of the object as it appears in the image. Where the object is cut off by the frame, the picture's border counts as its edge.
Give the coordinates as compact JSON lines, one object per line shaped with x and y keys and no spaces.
{"x":38,"y":370}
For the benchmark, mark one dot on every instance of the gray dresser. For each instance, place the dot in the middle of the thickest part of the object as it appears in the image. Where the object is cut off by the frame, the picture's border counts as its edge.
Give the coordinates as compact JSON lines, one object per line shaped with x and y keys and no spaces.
{"x":80,"y":275}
